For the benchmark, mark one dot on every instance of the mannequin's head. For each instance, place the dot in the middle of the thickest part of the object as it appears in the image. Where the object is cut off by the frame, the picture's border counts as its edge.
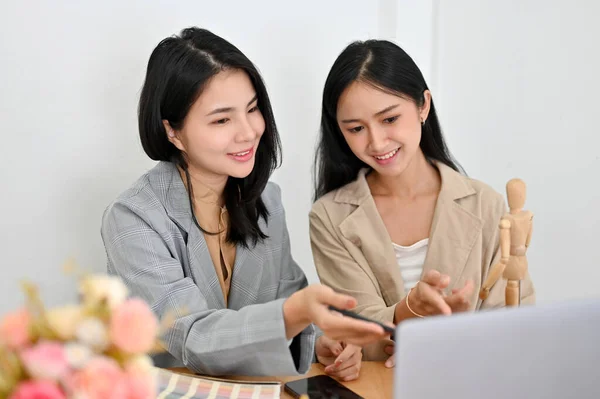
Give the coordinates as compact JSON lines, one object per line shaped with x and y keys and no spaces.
{"x":516,"y":192}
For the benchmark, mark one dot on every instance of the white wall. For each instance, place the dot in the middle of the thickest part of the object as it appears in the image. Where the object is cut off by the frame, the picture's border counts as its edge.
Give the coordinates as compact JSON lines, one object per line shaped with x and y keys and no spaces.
{"x":500,"y":71}
{"x":69,"y":81}
{"x":517,"y":88}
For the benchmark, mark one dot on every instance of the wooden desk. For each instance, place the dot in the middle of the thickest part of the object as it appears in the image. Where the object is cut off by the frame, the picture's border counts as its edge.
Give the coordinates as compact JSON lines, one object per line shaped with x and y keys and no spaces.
{"x":375,"y":381}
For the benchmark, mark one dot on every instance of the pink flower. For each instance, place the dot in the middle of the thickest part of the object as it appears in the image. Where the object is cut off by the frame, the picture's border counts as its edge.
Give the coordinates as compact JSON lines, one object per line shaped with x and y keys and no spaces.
{"x":133,"y":327}
{"x":45,"y":361}
{"x":37,"y":390}
{"x":100,"y":379}
{"x":140,"y":385}
{"x":15,"y":329}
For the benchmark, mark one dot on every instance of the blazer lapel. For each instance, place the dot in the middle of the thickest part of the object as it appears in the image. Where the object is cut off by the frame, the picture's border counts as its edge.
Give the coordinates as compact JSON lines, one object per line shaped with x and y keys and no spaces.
{"x":203,"y":269}
{"x":454,"y":230}
{"x":247,"y":273}
{"x":176,"y":203}
{"x":365,"y":229}
{"x":248,"y":266}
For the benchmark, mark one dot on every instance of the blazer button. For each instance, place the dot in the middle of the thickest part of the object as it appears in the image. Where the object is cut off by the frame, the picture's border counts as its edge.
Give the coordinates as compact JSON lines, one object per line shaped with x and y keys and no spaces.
{"x":356,"y":241}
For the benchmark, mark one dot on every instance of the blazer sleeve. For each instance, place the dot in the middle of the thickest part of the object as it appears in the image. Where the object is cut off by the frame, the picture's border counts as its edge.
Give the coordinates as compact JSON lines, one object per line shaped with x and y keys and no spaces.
{"x":250,"y":341}
{"x":339,"y":270}
{"x":497,"y":295}
{"x":293,"y":279}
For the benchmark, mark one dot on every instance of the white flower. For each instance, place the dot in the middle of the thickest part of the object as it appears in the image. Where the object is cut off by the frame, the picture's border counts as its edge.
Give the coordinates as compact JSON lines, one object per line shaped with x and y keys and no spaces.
{"x":92,"y":332}
{"x":63,"y":321}
{"x":78,"y":355}
{"x":142,"y":363}
{"x":103,"y":289}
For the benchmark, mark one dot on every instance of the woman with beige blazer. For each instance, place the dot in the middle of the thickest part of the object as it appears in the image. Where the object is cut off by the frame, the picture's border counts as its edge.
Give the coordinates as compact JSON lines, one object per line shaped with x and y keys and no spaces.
{"x":395,"y":224}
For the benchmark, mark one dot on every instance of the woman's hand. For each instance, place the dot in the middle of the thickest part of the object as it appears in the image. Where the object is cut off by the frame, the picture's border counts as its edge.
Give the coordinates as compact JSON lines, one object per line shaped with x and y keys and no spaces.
{"x":456,"y":302}
{"x":459,"y":299}
{"x":341,"y":360}
{"x":427,"y":298}
{"x":391,"y":361}
{"x":310,"y":305}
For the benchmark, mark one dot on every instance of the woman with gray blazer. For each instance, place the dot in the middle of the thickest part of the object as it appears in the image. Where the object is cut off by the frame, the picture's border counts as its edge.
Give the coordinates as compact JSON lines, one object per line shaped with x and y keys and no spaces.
{"x":203,"y":235}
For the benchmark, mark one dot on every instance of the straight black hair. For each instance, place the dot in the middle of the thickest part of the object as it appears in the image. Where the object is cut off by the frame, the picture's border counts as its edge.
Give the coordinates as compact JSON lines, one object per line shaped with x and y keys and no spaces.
{"x":386,"y":66}
{"x":178,"y":70}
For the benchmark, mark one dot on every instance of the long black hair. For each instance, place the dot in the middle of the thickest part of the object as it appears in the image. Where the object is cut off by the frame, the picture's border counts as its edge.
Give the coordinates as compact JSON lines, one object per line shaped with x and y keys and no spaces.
{"x":178,"y":70}
{"x":386,"y":66}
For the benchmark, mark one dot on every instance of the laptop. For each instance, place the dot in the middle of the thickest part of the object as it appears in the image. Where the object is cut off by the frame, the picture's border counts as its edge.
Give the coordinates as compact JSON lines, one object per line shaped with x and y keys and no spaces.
{"x":542,"y":351}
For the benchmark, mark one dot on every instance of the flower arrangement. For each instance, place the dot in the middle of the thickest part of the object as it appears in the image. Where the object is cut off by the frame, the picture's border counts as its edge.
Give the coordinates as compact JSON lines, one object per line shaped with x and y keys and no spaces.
{"x":96,"y":349}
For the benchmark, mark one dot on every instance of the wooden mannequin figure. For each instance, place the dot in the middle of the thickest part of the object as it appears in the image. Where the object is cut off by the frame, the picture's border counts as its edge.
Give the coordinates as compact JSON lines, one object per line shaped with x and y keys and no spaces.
{"x":515,"y":236}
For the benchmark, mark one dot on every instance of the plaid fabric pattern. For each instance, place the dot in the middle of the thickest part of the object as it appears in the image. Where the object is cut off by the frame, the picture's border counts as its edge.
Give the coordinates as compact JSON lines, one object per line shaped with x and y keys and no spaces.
{"x":153,"y":245}
{"x":177,"y":386}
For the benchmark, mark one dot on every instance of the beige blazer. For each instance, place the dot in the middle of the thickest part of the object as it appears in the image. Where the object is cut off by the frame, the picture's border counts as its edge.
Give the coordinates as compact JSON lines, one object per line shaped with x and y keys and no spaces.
{"x":353,"y":251}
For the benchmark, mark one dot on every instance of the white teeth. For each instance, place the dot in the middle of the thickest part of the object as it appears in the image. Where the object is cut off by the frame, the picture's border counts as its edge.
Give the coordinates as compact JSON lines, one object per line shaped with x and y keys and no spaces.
{"x":241,"y":154}
{"x":388,"y":155}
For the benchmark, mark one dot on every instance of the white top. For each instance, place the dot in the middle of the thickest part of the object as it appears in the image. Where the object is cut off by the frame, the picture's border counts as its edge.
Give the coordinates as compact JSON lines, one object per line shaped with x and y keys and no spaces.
{"x":410,"y":260}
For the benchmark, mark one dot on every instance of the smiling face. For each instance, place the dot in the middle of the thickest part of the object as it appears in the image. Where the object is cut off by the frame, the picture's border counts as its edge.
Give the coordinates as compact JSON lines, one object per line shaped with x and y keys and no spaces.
{"x":222,"y":130}
{"x":383,"y":130}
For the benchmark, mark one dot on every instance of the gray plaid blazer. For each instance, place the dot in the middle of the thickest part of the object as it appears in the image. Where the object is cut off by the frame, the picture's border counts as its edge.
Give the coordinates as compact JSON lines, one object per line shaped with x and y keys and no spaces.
{"x":153,"y":245}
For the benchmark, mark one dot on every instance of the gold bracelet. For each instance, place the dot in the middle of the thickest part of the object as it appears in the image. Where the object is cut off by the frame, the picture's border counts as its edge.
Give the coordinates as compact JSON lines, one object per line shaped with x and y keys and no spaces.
{"x":408,"y":306}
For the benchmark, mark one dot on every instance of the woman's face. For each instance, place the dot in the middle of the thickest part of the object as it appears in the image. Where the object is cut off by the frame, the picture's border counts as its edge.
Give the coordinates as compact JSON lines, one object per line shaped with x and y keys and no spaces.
{"x":222,"y":130}
{"x":383,"y":130}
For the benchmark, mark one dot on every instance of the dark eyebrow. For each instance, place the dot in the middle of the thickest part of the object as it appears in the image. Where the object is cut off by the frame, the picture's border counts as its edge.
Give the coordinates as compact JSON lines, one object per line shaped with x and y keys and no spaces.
{"x":219,"y":111}
{"x":229,"y":109}
{"x":383,"y":111}
{"x":253,"y":99}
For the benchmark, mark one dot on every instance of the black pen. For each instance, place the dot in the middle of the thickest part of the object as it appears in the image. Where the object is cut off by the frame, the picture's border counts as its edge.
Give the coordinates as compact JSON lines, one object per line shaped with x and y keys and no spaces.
{"x":359,"y":317}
